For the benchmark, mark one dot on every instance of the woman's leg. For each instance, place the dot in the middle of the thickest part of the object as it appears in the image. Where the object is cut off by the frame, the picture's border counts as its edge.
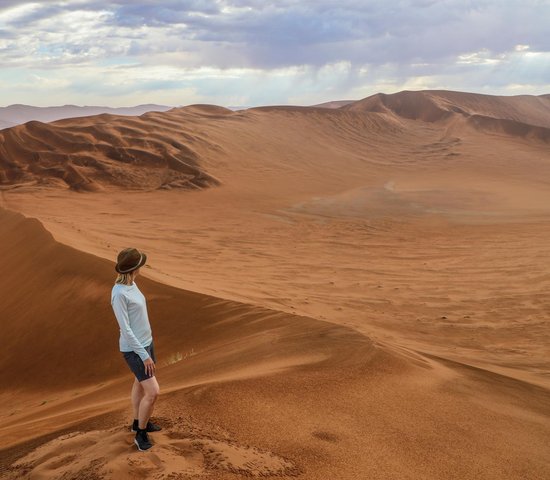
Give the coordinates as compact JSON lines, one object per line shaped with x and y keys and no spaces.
{"x":151,"y":391}
{"x":137,"y":395}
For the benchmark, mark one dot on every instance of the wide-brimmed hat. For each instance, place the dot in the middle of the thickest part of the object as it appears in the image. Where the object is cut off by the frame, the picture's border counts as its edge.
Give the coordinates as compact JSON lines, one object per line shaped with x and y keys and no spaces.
{"x":130,"y":259}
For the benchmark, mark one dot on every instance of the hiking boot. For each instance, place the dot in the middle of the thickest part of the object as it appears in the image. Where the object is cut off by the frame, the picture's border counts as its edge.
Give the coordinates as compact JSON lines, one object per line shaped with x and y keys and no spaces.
{"x":142,"y":441}
{"x":151,"y":427}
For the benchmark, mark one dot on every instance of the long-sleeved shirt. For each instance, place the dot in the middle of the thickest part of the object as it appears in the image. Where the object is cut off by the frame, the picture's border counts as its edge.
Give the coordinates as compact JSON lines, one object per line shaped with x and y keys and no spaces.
{"x":131,"y":313}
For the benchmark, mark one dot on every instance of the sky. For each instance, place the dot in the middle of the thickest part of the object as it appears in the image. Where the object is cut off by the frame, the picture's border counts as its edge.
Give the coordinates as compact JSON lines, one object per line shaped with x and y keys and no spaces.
{"x":253,"y":52}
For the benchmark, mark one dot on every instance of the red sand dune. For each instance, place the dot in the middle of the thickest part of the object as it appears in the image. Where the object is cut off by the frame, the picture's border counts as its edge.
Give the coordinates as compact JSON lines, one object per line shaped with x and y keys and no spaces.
{"x":433,"y":105}
{"x":91,"y":151}
{"x":359,"y":295}
{"x":522,"y":115}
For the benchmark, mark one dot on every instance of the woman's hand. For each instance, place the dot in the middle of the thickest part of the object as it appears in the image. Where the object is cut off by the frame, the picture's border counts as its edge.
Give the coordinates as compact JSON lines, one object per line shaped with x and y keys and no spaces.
{"x":149,"y":367}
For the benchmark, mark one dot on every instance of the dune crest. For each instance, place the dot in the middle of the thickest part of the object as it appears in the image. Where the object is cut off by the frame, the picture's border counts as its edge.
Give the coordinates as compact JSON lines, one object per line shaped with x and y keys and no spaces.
{"x":192,"y":148}
{"x":433,"y":105}
{"x":523,"y":116}
{"x":78,"y":294}
{"x":91,"y":153}
{"x":245,"y":390}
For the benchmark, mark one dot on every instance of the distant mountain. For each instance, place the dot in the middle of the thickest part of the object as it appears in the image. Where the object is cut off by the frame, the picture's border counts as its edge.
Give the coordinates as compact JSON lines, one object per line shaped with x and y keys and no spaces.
{"x":235,"y":108}
{"x":4,"y":124}
{"x":18,"y":114}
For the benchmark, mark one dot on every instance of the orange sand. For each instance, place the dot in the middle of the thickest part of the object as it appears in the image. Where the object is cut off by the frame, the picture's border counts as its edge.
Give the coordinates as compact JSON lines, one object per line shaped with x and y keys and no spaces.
{"x":342,"y":293}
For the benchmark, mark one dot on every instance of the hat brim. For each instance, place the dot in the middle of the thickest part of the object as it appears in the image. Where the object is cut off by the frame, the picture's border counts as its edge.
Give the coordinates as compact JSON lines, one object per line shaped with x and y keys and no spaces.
{"x":140,"y":264}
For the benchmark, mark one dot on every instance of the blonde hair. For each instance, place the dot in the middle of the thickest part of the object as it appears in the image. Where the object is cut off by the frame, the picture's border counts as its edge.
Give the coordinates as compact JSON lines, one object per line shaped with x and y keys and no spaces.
{"x":125,"y":278}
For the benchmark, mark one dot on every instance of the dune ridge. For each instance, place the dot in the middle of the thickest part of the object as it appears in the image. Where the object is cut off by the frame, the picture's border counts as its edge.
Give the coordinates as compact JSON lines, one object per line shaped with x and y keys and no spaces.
{"x":154,"y":151}
{"x":258,"y":392}
{"x":106,"y":150}
{"x":523,"y":115}
{"x":434,"y":105}
{"x":73,"y":310}
{"x":162,"y":150}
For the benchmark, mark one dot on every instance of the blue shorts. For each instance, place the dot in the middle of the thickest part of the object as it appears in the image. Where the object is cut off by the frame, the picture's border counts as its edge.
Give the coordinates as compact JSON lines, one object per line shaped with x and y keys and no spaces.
{"x":136,"y":363}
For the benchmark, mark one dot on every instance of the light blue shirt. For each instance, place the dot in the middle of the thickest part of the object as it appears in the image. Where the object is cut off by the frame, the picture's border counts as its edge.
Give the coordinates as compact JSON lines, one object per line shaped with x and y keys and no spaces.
{"x":131,"y":313}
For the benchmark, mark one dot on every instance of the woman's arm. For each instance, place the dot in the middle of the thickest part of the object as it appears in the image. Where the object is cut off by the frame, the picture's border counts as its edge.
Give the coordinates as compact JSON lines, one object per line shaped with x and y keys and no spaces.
{"x":120,"y":307}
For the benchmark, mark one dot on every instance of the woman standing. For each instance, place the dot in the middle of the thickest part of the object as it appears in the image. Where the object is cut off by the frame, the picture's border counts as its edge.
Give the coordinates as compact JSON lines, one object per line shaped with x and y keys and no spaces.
{"x":136,"y":342}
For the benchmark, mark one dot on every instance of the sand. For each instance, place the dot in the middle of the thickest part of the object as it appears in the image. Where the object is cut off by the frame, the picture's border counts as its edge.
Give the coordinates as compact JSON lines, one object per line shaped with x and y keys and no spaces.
{"x":344,"y":293}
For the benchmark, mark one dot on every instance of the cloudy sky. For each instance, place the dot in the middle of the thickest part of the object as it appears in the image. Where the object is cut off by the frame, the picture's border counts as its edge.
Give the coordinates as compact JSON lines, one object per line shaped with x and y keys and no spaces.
{"x":254,"y":52}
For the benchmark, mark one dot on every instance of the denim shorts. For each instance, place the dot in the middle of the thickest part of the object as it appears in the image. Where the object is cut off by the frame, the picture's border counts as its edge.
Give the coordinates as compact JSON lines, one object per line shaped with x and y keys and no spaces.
{"x":136,"y":363}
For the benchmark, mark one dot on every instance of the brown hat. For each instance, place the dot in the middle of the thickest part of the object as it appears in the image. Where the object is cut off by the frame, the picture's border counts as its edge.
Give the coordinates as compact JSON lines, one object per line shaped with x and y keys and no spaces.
{"x":130,"y":259}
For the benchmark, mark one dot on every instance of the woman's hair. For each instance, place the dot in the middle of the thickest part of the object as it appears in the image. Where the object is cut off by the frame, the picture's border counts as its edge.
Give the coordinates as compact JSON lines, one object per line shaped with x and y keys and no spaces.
{"x":125,"y":278}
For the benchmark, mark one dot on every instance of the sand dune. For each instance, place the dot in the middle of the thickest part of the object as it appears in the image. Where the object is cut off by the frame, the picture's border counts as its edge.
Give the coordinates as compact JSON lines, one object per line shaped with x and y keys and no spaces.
{"x":153,"y":151}
{"x":360,"y":294}
{"x":433,"y":105}
{"x":187,"y":320}
{"x":185,"y":147}
{"x":104,"y":150}
{"x":247,"y":390}
{"x":523,"y":116}
{"x":510,"y":127}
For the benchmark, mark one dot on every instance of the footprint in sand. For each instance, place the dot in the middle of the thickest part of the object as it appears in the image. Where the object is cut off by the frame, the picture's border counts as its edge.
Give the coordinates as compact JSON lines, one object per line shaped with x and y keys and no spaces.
{"x":244,"y":460}
{"x":111,"y":454}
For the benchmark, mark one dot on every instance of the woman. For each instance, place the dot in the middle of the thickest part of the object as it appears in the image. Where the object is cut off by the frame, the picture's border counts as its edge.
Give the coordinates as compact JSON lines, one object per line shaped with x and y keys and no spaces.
{"x":136,"y":342}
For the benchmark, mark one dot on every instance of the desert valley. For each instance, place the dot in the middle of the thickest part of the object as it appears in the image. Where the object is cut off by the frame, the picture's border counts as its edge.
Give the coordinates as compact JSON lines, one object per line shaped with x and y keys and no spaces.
{"x":352,"y":291}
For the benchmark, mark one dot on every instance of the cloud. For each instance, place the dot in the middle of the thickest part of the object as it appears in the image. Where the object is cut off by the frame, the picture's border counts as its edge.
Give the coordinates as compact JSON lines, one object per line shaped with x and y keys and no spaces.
{"x":456,"y":44}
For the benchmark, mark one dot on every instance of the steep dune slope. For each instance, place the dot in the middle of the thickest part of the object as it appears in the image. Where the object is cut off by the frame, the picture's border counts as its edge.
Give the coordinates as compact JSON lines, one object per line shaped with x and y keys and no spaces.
{"x":432,"y":105}
{"x":108,"y":150}
{"x":57,"y":306}
{"x":247,"y":391}
{"x":522,"y":115}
